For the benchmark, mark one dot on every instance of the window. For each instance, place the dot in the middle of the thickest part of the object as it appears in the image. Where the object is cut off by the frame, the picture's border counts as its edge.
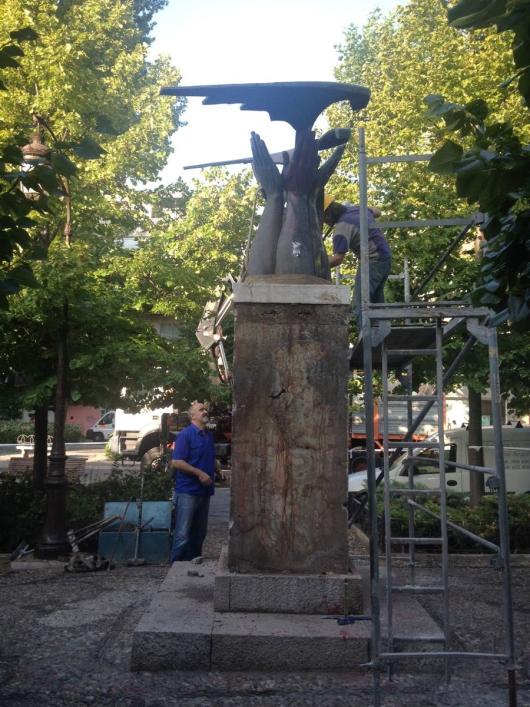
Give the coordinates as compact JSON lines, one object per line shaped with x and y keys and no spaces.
{"x":432,"y":455}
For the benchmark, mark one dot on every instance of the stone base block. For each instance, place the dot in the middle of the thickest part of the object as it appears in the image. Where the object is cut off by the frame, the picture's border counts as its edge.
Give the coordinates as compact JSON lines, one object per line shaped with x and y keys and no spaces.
{"x":181,"y":631}
{"x":286,"y":593}
{"x":289,"y":642}
{"x":175,"y":631}
{"x":290,"y":416}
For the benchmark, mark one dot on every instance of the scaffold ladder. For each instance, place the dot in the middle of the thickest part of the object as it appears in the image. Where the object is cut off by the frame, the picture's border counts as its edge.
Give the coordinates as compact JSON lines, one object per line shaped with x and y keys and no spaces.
{"x":435,"y":320}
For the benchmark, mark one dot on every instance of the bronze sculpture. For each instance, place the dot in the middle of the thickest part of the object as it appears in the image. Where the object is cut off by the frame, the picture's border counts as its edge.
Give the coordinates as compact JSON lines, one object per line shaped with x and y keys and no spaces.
{"x":289,"y":237}
{"x":288,"y":240}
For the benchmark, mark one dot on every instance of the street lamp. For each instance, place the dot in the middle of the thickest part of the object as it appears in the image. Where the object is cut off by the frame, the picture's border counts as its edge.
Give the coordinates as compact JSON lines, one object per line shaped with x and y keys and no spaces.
{"x":36,"y":152}
{"x":53,"y":540}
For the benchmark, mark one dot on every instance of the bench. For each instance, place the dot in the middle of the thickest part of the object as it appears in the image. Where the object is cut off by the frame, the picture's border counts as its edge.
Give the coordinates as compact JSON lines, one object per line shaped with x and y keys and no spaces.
{"x":26,"y":444}
{"x":75,"y":467}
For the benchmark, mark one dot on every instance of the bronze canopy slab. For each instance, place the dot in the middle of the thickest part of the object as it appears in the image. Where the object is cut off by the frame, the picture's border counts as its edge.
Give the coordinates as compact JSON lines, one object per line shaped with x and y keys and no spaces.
{"x":298,"y":103}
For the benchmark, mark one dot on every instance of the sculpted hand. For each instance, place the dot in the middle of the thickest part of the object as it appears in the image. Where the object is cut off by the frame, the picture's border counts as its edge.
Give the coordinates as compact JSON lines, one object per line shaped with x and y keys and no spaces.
{"x":264,"y":168}
{"x":327,"y":169}
{"x":300,"y":174}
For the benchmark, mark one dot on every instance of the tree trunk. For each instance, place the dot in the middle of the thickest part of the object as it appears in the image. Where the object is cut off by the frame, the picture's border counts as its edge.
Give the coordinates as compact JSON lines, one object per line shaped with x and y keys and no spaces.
{"x":40,"y":450}
{"x":475,"y":453}
{"x":53,"y":540}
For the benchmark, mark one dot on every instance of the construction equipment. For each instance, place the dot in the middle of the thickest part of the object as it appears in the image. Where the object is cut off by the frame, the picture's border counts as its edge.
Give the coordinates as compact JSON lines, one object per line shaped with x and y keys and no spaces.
{"x":122,"y":525}
{"x":138,"y":561}
{"x":427,"y":324}
{"x":209,"y":331}
{"x":82,"y":561}
{"x":21,"y":550}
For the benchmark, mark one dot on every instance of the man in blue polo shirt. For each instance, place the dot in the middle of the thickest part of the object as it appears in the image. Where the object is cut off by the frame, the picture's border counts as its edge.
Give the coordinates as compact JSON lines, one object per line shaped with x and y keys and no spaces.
{"x":345,"y":219}
{"x":194,"y":462}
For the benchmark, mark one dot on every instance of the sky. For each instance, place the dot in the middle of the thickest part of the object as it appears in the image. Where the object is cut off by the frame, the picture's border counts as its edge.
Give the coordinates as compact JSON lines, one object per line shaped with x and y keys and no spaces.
{"x":239,"y":41}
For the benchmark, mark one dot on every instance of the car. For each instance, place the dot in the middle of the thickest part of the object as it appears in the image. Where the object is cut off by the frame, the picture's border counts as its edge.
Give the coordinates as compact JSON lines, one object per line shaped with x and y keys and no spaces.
{"x":103,"y":429}
{"x":516,"y":443}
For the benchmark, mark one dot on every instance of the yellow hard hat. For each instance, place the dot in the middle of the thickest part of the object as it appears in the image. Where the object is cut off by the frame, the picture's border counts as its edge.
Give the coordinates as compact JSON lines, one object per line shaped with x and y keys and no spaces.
{"x":328,"y":199}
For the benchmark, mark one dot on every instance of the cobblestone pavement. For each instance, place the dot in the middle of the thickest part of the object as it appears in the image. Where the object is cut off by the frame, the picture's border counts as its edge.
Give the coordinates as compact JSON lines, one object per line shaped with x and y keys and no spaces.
{"x":66,"y":640}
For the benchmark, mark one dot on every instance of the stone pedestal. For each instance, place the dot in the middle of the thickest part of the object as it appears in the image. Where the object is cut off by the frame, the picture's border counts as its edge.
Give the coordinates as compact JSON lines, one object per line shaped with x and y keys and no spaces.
{"x":289,"y":450}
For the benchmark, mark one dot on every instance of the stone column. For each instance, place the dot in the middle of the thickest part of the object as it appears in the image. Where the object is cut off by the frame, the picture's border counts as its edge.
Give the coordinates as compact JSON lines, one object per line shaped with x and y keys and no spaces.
{"x":289,"y":450}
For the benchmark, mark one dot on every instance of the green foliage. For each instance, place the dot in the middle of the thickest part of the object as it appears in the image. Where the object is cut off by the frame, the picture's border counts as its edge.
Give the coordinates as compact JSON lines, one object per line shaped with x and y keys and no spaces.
{"x":85,"y":504}
{"x":181,"y":267}
{"x":87,"y":79}
{"x":507,"y":15}
{"x":16,"y":205}
{"x":21,"y":512}
{"x":11,"y":429}
{"x":22,"y":509}
{"x":492,"y":165}
{"x":482,"y":521}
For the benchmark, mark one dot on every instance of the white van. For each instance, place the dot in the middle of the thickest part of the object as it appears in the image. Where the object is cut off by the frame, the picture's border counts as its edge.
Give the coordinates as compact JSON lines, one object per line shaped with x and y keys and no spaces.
{"x":103,"y":429}
{"x":516,"y":459}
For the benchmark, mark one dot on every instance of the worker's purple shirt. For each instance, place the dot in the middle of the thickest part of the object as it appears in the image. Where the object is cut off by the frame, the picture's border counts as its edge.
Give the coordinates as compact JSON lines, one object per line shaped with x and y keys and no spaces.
{"x":196,"y":447}
{"x":347,"y":235}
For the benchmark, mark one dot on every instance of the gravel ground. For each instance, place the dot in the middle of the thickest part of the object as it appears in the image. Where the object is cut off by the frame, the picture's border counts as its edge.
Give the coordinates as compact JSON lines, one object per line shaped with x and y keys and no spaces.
{"x":66,"y":640}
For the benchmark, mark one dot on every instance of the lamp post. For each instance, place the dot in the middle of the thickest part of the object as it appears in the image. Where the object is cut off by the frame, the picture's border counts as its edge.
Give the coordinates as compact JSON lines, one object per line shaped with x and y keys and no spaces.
{"x":53,"y":540}
{"x":36,"y":152}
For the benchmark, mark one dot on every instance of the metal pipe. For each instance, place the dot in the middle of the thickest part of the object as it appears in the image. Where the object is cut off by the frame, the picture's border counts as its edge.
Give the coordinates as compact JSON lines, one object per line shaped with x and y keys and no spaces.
{"x":423,"y":413}
{"x":458,"y":528}
{"x":442,"y":654}
{"x":399,"y":158}
{"x":443,"y":490}
{"x":420,"y":303}
{"x":406,"y":280}
{"x":386,"y":501}
{"x":410,"y":477}
{"x":424,"y":223}
{"x":369,"y":410}
{"x":414,"y":398}
{"x":504,"y":533}
{"x":441,"y":260}
{"x":455,"y":465}
{"x":429,"y":310}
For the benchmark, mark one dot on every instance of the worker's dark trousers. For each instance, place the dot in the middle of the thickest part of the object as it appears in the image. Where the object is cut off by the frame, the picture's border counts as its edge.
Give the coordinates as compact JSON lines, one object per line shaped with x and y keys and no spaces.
{"x":191,"y":524}
{"x":379,"y":272}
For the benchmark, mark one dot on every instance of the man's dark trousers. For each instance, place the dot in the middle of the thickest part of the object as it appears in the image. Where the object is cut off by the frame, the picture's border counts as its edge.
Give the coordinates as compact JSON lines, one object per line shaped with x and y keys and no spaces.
{"x":191,"y":524}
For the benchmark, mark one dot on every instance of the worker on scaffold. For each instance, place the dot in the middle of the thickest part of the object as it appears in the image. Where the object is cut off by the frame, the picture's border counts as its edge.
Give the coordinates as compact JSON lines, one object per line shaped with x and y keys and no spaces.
{"x":345,"y":219}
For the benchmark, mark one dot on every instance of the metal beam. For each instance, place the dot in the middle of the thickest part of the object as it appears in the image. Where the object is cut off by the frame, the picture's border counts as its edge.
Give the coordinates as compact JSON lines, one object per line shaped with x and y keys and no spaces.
{"x":430,"y":311}
{"x":441,"y":260}
{"x":427,"y":223}
{"x":399,"y":158}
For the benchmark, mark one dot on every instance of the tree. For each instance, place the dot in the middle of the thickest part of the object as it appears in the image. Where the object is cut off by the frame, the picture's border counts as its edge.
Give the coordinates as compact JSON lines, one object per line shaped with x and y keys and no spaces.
{"x":88,"y":83}
{"x":16,"y":202}
{"x":492,"y":162}
{"x":190,"y":256}
{"x":183,"y":263}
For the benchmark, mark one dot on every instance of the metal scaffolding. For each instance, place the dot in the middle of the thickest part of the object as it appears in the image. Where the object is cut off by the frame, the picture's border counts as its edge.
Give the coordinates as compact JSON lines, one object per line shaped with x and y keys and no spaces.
{"x":423,"y":326}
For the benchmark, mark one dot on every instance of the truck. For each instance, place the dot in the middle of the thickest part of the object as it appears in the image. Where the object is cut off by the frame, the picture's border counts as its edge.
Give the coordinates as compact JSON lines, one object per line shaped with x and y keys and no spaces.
{"x":516,"y":442}
{"x":147,"y":436}
{"x":397,"y":428}
{"x":103,"y":429}
{"x":137,"y":436}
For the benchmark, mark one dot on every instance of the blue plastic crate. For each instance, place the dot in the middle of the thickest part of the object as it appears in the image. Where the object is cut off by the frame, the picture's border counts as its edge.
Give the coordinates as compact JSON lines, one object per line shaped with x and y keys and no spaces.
{"x":155,"y":536}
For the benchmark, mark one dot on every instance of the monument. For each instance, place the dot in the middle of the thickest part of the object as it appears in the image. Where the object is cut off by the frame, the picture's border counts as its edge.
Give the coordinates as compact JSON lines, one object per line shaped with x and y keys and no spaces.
{"x":287,"y":547}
